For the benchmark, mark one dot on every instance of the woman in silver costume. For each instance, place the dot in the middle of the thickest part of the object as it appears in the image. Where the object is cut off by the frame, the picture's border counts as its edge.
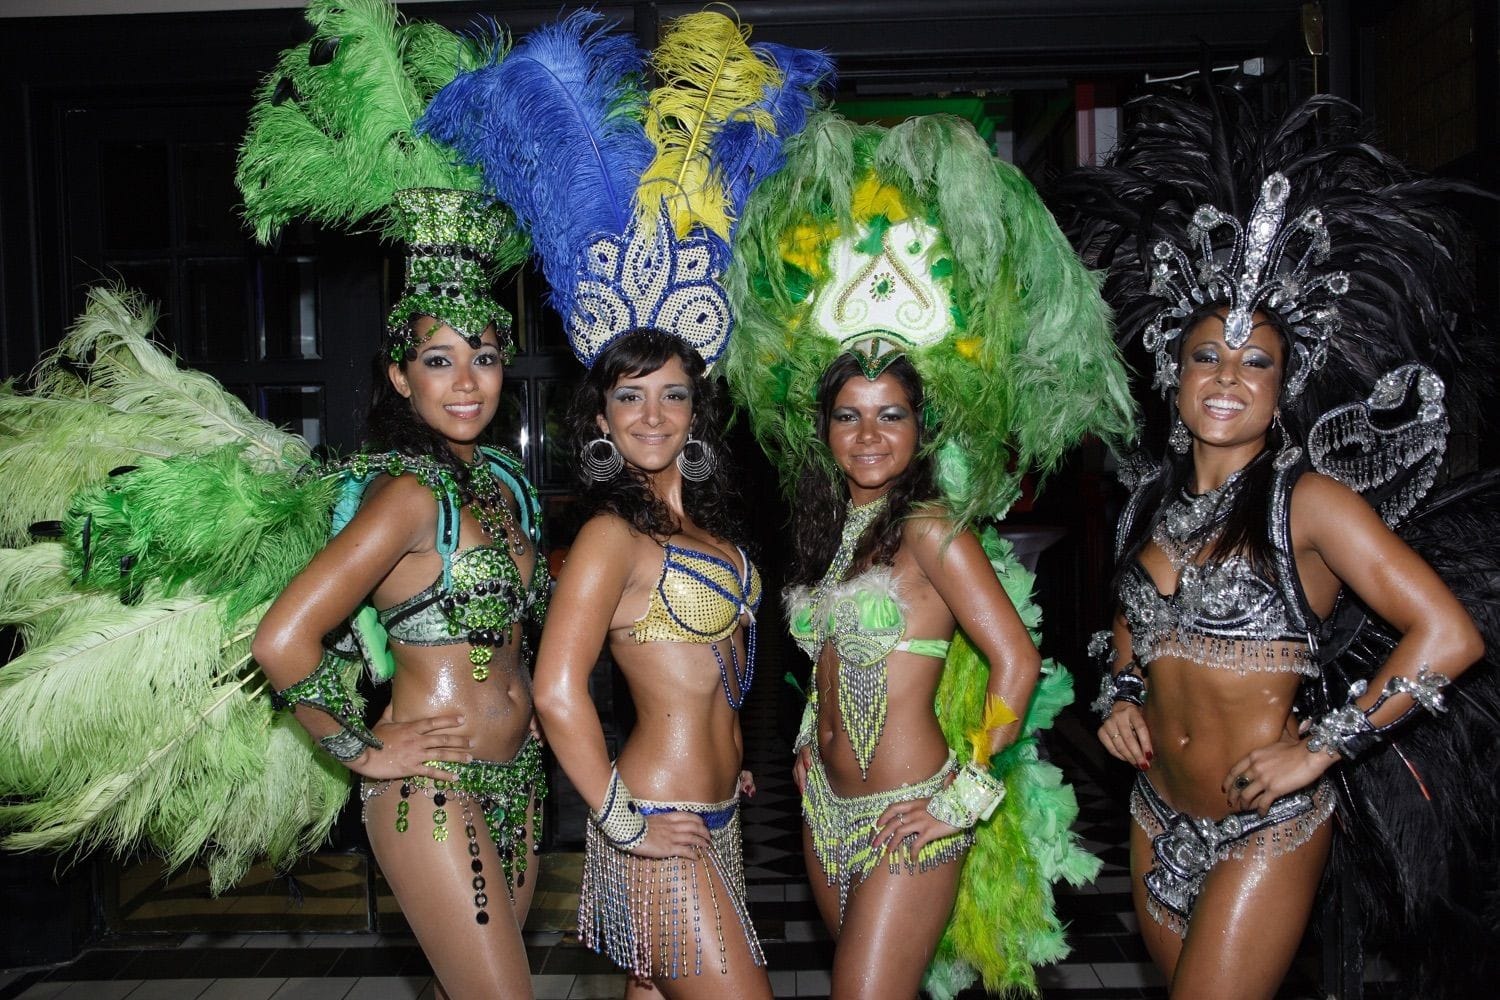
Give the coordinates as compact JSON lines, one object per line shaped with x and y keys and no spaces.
{"x":1236,"y":549}
{"x":880,"y":566}
{"x":656,"y":571}
{"x":444,"y":546}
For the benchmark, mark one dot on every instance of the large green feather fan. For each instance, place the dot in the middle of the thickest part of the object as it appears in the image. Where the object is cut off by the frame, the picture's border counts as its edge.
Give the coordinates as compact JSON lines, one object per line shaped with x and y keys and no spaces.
{"x":331,"y":135}
{"x":1004,"y":922}
{"x":1031,"y":366}
{"x":134,"y":717}
{"x":108,"y":397}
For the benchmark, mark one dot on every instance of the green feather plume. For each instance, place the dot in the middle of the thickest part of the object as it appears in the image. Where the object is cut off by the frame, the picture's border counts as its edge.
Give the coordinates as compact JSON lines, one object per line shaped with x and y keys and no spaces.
{"x":1032,"y":367}
{"x":135,"y":404}
{"x":331,"y":135}
{"x":135,"y":718}
{"x":1004,"y":922}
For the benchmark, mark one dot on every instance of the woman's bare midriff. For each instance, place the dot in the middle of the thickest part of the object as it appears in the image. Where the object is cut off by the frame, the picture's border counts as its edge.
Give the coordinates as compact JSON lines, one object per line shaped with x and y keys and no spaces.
{"x":911,"y":746}
{"x":686,"y":745}
{"x":1202,"y":720}
{"x":439,"y":680}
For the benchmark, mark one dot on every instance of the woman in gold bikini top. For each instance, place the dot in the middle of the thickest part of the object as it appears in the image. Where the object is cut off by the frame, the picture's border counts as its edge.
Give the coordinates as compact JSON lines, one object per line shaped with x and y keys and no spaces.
{"x":655,"y":573}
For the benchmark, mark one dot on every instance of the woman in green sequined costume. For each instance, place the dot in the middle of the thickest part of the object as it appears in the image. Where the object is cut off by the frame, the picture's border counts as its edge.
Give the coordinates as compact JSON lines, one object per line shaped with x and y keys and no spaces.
{"x":884,"y":581}
{"x":452,"y":769}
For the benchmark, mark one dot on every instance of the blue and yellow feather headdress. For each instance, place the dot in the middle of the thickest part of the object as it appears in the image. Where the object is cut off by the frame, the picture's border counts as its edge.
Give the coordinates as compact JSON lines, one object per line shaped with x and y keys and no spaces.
{"x":631,"y":196}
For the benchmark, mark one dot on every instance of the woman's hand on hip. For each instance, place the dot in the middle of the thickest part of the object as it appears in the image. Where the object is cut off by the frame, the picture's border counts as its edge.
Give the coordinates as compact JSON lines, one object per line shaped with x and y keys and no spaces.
{"x":800,"y":767}
{"x":1267,"y":773}
{"x":908,"y":826}
{"x":409,"y":745}
{"x":673,"y":835}
{"x":1124,"y":735}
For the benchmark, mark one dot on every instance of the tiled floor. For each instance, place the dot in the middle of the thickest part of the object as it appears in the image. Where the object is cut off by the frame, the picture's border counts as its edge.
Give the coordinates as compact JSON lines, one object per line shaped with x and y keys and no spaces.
{"x":1108,"y":960}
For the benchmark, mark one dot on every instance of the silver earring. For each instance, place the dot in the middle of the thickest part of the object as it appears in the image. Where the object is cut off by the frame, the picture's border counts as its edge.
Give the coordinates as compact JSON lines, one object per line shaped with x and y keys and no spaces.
{"x":696,"y":470}
{"x":1180,"y":440}
{"x":596,"y":467}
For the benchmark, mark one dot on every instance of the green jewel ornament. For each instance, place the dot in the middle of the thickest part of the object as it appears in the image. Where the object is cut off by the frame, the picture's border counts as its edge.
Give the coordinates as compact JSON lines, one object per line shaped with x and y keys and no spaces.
{"x":453,"y":239}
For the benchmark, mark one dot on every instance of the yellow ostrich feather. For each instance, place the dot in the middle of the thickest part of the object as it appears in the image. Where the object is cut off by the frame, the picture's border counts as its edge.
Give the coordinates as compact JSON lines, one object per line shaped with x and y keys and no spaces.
{"x":996,"y":714}
{"x":710,"y":76}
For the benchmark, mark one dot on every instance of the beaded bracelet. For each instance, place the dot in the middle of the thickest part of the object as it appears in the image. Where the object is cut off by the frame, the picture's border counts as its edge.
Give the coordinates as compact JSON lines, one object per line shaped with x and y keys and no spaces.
{"x":619,"y":819}
{"x":1125,"y":684}
{"x":325,"y":690}
{"x":808,"y":729}
{"x":973,"y":796}
{"x":1347,"y":732}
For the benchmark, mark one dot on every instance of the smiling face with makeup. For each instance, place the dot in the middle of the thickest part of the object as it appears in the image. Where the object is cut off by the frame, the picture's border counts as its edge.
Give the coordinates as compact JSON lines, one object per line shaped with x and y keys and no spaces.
{"x":1228,"y":397}
{"x":648,"y":415}
{"x":872,"y":432}
{"x":453,"y":387}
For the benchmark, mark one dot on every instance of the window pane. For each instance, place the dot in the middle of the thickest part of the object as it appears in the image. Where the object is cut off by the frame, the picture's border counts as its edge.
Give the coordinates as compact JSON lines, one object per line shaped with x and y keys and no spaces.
{"x":553,"y":435}
{"x":509,"y":429}
{"x":298,"y":408}
{"x":218,"y":326}
{"x":208,"y":194}
{"x":133,"y":186}
{"x":289,"y":305}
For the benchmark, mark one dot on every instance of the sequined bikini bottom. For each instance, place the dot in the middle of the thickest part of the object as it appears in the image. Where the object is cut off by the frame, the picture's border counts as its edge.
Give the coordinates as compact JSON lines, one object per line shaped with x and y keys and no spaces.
{"x":842,"y":826}
{"x":649,"y":914}
{"x":502,"y":791}
{"x":1185,"y":848}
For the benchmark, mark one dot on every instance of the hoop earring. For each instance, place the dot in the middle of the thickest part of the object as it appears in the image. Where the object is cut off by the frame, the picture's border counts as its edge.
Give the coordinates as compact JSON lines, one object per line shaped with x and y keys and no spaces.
{"x":597,"y":468}
{"x":696,"y":470}
{"x":1180,"y":440}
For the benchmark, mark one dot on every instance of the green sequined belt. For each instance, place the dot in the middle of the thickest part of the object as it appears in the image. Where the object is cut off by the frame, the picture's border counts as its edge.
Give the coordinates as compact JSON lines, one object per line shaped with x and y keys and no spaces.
{"x":502,"y":791}
{"x":842,"y":827}
{"x":648,"y":914}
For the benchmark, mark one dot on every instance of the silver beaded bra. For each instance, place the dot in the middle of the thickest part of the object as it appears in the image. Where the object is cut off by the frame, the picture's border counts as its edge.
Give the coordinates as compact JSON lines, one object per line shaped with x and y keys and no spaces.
{"x":1225,"y":614}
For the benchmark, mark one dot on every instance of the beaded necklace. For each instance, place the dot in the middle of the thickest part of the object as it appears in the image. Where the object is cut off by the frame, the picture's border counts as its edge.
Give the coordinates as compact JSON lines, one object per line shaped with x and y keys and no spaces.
{"x":862,"y":686}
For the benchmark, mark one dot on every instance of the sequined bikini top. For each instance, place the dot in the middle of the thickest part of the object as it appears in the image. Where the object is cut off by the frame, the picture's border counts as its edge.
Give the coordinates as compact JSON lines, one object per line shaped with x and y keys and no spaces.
{"x":1226,"y":613}
{"x":484,"y":599}
{"x":479,"y":596}
{"x":863,"y":617}
{"x":699,"y":597}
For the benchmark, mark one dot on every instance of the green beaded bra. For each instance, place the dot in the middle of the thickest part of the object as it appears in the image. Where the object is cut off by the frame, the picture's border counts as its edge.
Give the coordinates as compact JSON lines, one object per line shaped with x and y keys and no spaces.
{"x":480,"y":595}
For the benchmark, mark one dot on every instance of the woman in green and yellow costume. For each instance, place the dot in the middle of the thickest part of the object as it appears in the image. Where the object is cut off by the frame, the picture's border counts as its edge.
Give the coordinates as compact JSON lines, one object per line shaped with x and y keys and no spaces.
{"x":915,"y":334}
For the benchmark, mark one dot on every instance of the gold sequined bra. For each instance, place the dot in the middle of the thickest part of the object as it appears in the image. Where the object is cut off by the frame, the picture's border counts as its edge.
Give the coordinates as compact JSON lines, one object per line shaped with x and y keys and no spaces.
{"x":698,"y":598}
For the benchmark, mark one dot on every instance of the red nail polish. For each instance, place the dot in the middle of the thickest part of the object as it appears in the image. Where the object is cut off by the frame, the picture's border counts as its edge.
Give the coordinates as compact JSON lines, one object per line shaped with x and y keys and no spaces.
{"x":1150,"y":756}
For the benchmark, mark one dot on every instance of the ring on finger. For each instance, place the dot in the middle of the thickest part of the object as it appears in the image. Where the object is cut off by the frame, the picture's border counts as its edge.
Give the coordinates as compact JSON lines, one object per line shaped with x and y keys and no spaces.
{"x":1242,"y":781}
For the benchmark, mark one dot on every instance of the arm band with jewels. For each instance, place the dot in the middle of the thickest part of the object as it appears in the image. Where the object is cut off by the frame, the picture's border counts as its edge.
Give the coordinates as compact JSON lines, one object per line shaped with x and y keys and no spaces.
{"x":971,"y":797}
{"x":619,"y":819}
{"x":809,"y":727}
{"x":1124,"y":684}
{"x":1347,"y":732}
{"x":324,"y":690}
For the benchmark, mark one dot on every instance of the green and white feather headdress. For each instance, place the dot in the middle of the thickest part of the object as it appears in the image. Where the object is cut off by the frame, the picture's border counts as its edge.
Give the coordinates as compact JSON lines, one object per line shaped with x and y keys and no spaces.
{"x":916,"y":241}
{"x":332,"y":141}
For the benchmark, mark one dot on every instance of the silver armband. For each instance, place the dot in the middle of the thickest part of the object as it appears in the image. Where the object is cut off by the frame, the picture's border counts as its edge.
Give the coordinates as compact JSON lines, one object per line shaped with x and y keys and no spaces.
{"x":972,"y":796}
{"x":619,"y":819}
{"x":1347,"y":732}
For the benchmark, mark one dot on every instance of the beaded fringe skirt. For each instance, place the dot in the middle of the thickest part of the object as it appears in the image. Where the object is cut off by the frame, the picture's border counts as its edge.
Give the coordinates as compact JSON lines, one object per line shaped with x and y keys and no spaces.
{"x":842,"y":826}
{"x":650,"y":915}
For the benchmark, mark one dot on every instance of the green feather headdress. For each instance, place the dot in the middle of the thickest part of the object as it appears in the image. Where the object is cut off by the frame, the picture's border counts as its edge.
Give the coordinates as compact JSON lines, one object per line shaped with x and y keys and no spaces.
{"x":332,"y":140}
{"x":915,"y":240}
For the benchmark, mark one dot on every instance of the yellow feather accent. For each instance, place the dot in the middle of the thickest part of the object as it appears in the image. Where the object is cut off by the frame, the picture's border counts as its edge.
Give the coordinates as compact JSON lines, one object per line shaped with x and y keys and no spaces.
{"x":709,"y":76}
{"x":873,"y":197}
{"x":806,"y":246}
{"x":968,"y":348}
{"x":996,"y":714}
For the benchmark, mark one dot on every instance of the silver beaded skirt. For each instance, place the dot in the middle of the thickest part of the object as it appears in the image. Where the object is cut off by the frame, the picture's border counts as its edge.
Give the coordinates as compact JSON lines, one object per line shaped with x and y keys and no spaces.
{"x":650,"y":915}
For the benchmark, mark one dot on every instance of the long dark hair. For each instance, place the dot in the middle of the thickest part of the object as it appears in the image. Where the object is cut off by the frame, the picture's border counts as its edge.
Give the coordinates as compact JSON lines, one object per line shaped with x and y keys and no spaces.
{"x":818,"y":517}
{"x":628,"y":493}
{"x":392,"y":425}
{"x":1246,"y":530}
